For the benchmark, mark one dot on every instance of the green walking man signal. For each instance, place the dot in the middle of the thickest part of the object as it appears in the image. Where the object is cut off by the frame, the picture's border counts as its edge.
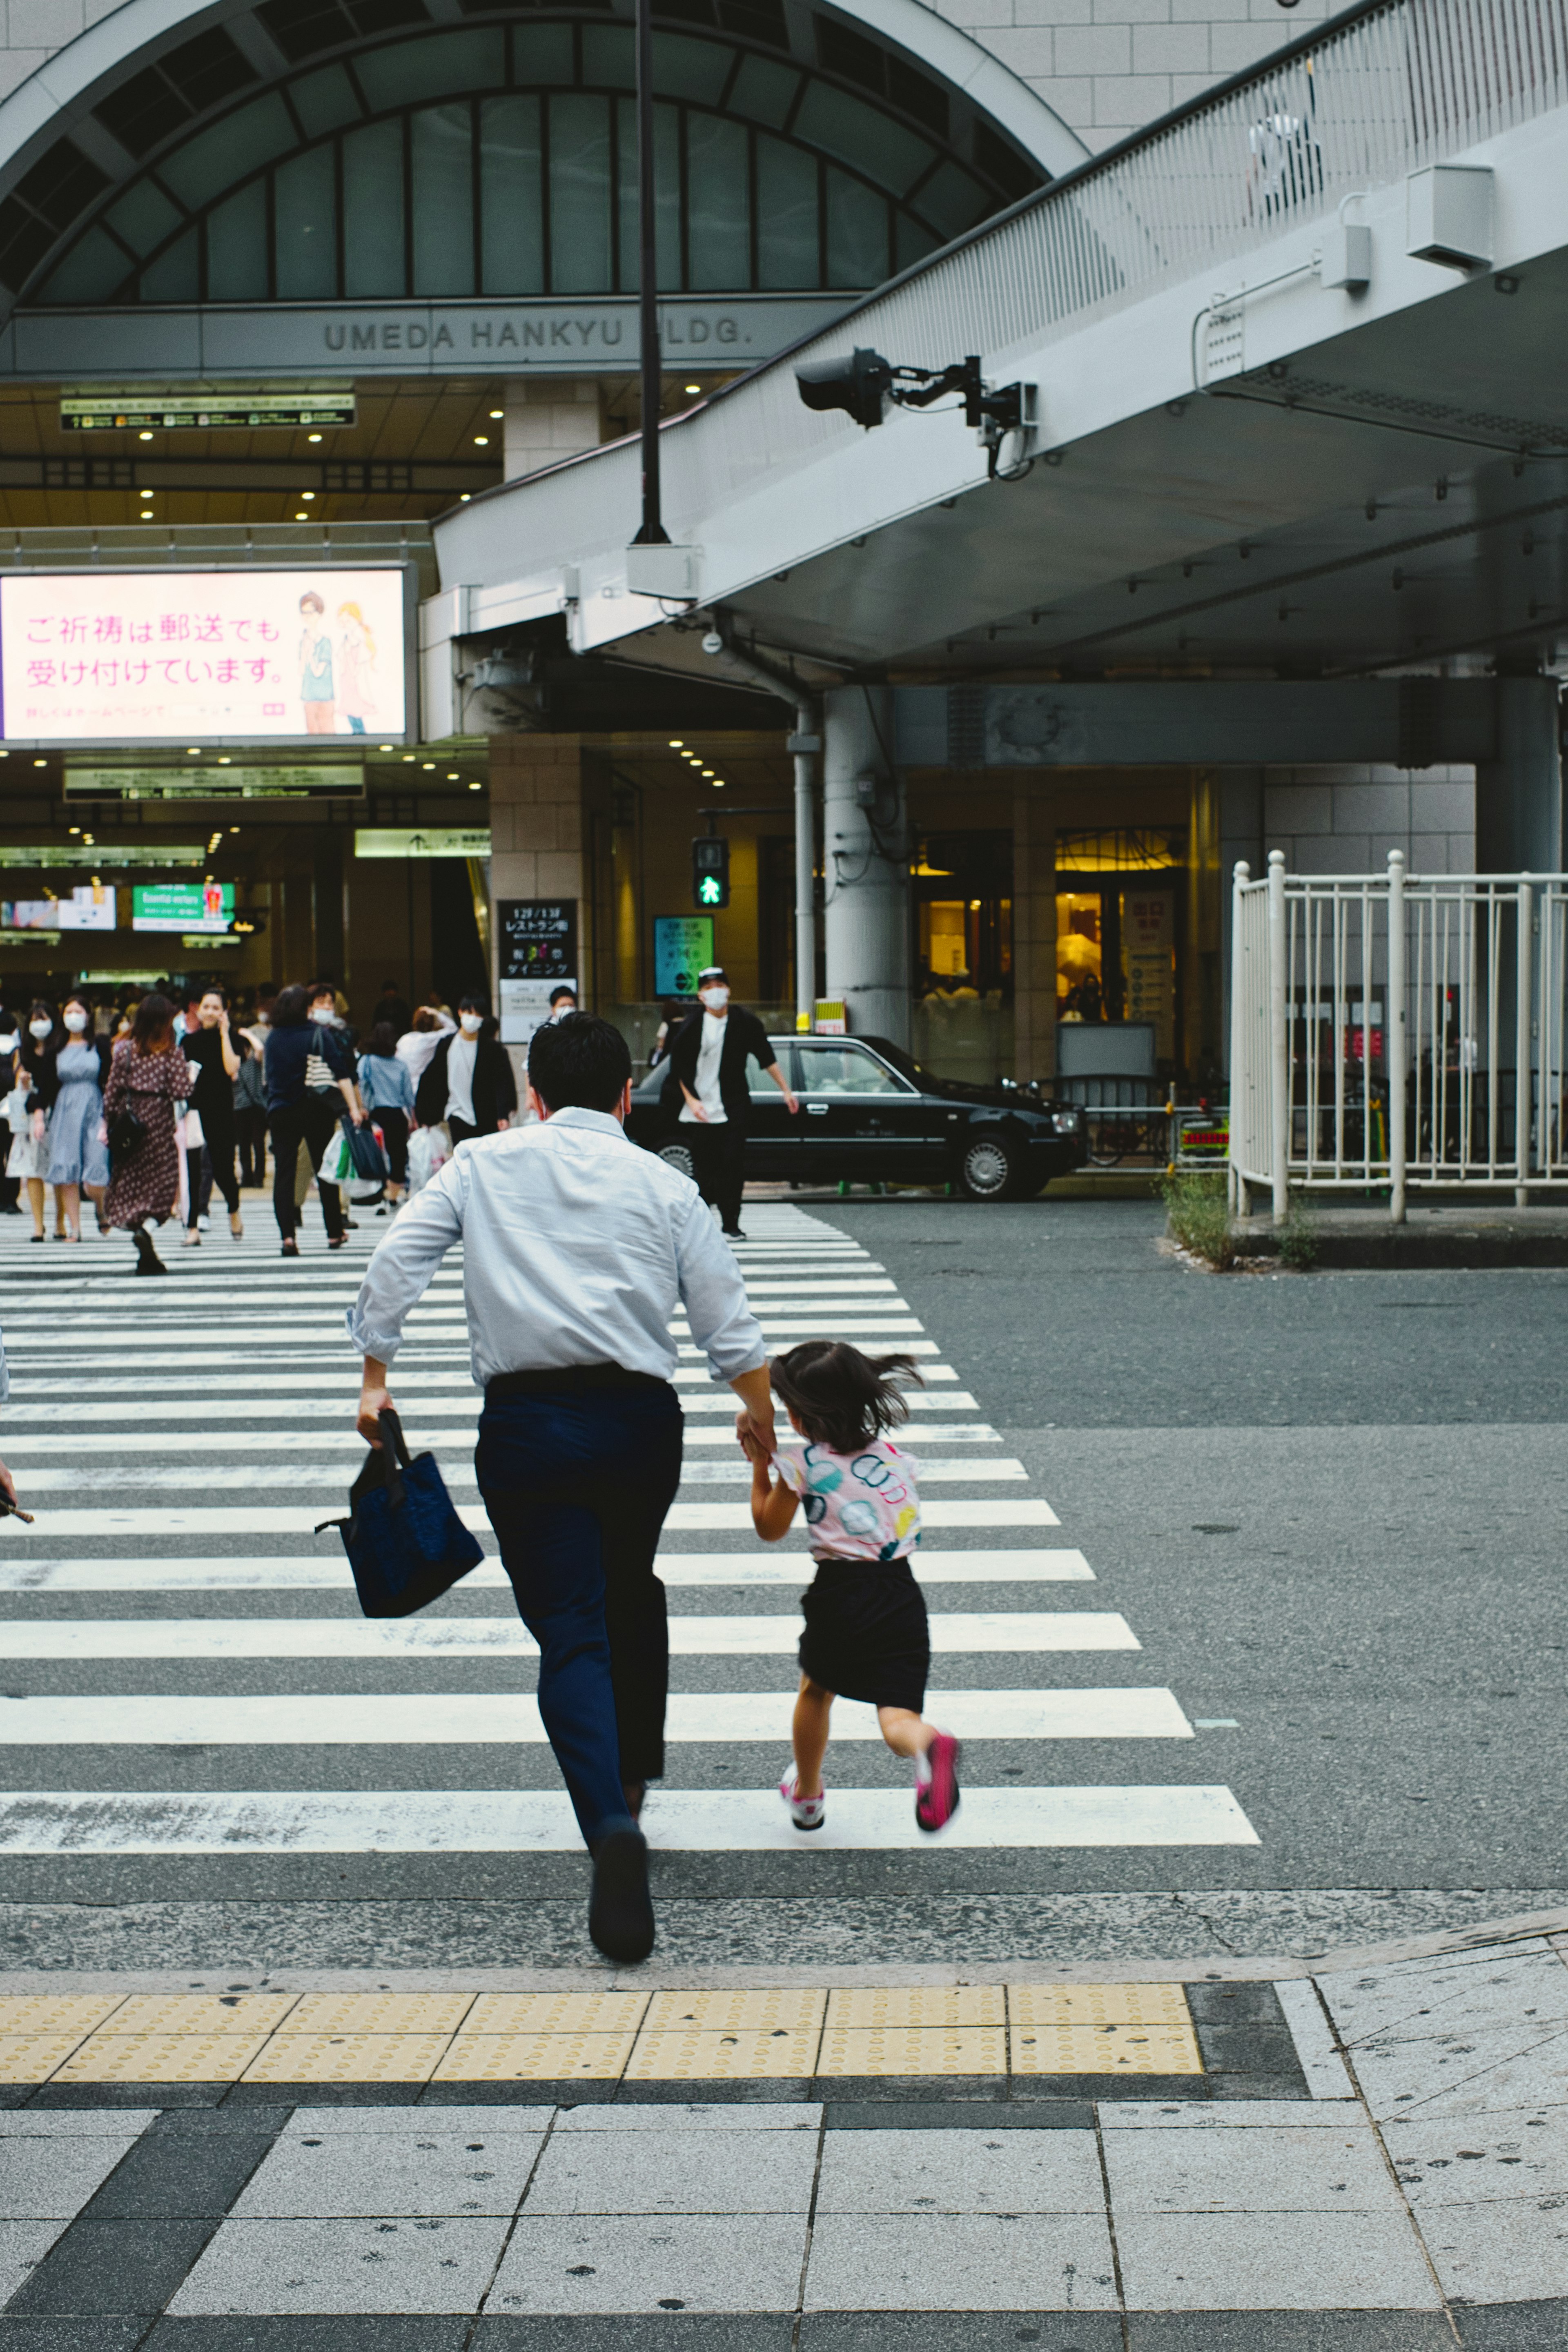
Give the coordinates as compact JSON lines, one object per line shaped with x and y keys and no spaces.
{"x":710,"y":871}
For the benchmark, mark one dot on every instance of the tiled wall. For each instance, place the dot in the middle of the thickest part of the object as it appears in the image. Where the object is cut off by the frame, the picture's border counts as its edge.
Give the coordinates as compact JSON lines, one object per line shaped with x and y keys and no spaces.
{"x":1345,"y":820}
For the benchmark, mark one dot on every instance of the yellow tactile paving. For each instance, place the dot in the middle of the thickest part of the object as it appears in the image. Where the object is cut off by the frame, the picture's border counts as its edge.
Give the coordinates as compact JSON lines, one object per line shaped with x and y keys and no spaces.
{"x":1105,"y":2050}
{"x":556,"y":2012}
{"x":926,"y":2005}
{"x":33,"y":2057}
{"x":914,"y":2049}
{"x":765,"y":2009}
{"x":1084,"y":2004}
{"x":536,"y":2057}
{"x":204,"y":2013}
{"x":378,"y":2012}
{"x":348,"y":2058}
{"x":162,"y":2058}
{"x":47,"y":2012}
{"x":752,"y":2052}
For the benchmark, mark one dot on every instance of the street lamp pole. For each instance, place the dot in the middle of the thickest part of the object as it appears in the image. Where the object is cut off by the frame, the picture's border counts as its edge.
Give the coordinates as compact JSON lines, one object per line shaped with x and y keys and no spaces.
{"x":653,"y":532}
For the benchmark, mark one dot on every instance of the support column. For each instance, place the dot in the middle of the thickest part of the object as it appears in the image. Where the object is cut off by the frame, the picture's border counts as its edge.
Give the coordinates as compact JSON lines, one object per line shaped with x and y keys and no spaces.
{"x":1518,"y":795}
{"x":1034,"y":932}
{"x":865,"y":863}
{"x":540,"y":846}
{"x":547,"y":419}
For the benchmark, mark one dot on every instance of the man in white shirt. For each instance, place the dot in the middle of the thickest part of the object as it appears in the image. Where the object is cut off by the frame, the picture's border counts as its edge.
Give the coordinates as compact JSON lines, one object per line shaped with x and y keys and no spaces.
{"x":708,"y":1081}
{"x":577,"y":1248}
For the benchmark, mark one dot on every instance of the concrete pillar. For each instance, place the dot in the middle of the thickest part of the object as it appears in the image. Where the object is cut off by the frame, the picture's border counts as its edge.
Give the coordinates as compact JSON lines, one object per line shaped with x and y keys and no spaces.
{"x":546,"y":793}
{"x":548,"y":418}
{"x":1518,"y":795}
{"x":866,"y":861}
{"x":1034,"y":932}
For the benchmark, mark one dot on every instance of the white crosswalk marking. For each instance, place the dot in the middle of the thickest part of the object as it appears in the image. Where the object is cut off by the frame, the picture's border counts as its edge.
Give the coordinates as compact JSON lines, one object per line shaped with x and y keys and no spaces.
{"x":219,"y":1404}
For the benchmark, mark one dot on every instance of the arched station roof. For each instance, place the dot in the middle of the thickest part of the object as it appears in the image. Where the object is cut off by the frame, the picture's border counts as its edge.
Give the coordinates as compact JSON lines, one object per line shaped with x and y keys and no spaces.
{"x":306,"y":149}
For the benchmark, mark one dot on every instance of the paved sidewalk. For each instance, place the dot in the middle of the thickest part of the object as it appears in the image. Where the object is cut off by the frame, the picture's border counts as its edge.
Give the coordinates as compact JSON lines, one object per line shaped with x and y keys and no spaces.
{"x":1373,"y":2156}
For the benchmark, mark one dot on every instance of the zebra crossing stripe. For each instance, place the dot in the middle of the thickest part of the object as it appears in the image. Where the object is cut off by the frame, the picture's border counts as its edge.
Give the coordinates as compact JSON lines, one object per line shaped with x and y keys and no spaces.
{"x":694,"y":1820}
{"x":290,"y":1519}
{"x":295,"y":1572}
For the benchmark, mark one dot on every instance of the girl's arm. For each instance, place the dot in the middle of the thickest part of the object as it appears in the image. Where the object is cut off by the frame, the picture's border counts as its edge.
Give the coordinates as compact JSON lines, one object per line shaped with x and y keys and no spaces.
{"x":774,"y":1504}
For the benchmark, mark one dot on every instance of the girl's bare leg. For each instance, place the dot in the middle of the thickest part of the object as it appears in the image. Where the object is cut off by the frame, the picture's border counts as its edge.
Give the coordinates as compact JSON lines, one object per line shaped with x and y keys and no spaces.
{"x":905,"y":1733}
{"x":95,"y":1193}
{"x":35,"y":1202}
{"x":67,"y":1203}
{"x":810,"y":1733}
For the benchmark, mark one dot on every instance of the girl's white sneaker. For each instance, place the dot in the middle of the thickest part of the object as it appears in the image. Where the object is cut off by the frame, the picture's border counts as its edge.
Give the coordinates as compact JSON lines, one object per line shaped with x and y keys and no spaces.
{"x":805,"y":1812}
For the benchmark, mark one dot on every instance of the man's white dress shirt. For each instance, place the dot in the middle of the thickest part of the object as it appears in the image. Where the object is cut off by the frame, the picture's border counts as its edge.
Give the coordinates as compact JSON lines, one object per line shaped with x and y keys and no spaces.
{"x":578,"y":1248}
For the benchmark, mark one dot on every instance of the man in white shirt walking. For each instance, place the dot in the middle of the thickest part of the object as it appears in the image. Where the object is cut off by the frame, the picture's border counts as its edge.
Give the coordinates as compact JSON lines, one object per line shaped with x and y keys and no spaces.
{"x":577,"y":1248}
{"x":708,"y":1089}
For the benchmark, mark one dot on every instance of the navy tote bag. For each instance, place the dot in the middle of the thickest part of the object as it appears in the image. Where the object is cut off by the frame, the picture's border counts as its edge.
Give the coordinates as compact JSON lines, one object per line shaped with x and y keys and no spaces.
{"x":405,"y":1543}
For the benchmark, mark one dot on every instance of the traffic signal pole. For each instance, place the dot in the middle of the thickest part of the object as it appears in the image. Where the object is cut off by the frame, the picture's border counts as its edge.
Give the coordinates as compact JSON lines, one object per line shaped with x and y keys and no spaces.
{"x":653,"y":532}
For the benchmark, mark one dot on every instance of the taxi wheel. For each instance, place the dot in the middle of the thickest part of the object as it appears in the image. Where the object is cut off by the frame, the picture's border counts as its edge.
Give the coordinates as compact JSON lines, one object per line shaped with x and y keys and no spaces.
{"x":990,"y":1169}
{"x":678,"y":1156}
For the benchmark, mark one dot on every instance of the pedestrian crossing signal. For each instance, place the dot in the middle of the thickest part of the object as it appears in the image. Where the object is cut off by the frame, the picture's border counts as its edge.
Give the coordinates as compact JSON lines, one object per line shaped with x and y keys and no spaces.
{"x":710,"y":871}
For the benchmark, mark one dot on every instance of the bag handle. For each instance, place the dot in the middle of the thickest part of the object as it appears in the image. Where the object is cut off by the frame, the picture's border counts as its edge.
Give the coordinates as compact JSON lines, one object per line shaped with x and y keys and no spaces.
{"x":390,"y":1426}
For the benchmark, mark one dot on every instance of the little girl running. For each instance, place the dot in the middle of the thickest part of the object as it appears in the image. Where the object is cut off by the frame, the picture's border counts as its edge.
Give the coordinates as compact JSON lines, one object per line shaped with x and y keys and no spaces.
{"x":866,"y":1632}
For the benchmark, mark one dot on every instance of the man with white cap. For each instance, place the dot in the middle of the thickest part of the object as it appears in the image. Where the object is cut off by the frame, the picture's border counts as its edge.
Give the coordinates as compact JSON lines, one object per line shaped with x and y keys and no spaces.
{"x":707,"y":1086}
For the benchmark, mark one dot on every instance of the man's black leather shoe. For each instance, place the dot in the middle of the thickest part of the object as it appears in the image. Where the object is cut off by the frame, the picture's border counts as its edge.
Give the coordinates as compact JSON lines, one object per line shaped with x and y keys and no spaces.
{"x":620,"y":1909}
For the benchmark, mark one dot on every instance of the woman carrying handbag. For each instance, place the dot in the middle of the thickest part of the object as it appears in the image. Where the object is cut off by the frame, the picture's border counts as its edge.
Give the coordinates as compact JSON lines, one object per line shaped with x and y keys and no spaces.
{"x":310,"y":1079}
{"x":147,"y":1077}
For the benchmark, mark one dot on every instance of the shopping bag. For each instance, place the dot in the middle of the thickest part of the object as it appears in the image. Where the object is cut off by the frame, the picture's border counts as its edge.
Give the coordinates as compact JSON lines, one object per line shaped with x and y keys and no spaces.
{"x":429,"y":1149}
{"x":364,"y":1150}
{"x":336,"y":1164}
{"x":405,"y":1543}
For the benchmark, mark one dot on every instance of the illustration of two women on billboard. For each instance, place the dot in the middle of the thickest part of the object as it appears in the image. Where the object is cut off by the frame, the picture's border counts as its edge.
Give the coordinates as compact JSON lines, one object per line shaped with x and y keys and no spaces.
{"x":336,"y":682}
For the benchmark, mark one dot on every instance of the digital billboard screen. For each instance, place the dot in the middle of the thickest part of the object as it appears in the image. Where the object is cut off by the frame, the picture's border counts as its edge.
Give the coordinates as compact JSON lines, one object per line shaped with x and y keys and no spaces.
{"x":89,"y":908}
{"x":195,"y":658}
{"x":182,"y":906}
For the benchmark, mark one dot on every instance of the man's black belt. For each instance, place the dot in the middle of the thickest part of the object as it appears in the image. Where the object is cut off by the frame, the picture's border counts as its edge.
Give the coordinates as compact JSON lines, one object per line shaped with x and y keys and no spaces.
{"x":569,"y":1379}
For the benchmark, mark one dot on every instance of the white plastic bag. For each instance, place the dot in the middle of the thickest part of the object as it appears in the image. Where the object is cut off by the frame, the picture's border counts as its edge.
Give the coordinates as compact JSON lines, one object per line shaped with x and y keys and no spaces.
{"x":337,"y":1165}
{"x":429,"y":1149}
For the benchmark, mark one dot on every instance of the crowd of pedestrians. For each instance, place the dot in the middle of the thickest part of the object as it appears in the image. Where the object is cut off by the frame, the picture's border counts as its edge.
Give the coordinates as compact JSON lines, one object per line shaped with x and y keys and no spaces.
{"x":150,"y":1105}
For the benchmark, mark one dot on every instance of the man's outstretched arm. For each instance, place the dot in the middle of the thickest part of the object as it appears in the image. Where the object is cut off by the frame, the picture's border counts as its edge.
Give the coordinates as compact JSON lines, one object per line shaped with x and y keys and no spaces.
{"x":397,"y":1276}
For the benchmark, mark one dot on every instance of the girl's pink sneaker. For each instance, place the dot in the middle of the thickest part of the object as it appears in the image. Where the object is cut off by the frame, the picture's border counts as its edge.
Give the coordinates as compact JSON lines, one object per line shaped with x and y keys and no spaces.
{"x":936,"y":1800}
{"x":805,"y":1812}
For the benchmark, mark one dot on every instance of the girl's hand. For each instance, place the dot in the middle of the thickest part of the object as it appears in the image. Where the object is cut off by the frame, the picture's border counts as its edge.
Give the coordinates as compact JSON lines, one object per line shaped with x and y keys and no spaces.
{"x":751,"y":1445}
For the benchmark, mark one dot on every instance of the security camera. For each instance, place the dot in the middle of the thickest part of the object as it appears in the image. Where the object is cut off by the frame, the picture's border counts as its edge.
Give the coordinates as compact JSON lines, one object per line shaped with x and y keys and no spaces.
{"x":712,"y":643}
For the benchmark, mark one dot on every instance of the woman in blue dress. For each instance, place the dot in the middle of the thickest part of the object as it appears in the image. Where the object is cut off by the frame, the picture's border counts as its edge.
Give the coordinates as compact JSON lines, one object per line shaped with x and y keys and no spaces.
{"x":73,"y":1080}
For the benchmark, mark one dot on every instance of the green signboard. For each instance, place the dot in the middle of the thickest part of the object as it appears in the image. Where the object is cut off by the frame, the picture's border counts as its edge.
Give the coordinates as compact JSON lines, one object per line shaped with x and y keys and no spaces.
{"x":188,"y":907}
{"x":682,"y":947}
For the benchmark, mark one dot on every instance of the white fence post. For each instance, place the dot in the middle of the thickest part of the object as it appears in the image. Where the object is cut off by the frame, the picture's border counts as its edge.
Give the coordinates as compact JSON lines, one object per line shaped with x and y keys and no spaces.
{"x":1239,"y":1201}
{"x":1278,"y":1039}
{"x":1396,"y":1035}
{"x":1523,"y":1054}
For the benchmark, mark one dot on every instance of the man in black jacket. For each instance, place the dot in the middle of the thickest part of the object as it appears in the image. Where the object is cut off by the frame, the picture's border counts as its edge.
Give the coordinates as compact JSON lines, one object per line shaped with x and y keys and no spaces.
{"x":706,"y":1084}
{"x":467,"y":1081}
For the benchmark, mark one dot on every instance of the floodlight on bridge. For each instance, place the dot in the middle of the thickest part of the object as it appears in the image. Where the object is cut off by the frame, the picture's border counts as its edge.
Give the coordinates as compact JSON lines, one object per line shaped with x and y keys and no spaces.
{"x":863,"y":385}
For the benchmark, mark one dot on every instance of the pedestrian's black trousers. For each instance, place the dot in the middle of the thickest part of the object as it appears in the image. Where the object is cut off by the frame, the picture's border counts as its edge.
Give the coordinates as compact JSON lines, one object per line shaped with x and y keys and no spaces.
{"x":212,"y":1163}
{"x":311,"y":1120}
{"x":717,"y":1159}
{"x":250,"y":1134}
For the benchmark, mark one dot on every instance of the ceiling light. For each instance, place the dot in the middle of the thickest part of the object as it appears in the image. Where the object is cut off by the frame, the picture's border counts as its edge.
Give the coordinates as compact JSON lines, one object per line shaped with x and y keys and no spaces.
{"x":143,"y":436}
{"x":234,"y":828}
{"x":694,"y":387}
{"x":708,"y":771}
{"x":301,"y":516}
{"x":312,"y":437}
{"x":481,"y":440}
{"x":75,"y":828}
{"x":146,"y":494}
{"x":451,"y":775}
{"x":497,"y":412}
{"x":384,"y":747}
{"x":427,"y":764}
{"x":44,"y":764}
{"x":677,"y":744}
{"x":193,"y":751}
{"x":476,"y":786}
{"x":718,"y":784}
{"x":90,"y":841}
{"x":408,"y":759}
{"x":147,"y":515}
{"x":225,"y":762}
{"x":307,"y":494}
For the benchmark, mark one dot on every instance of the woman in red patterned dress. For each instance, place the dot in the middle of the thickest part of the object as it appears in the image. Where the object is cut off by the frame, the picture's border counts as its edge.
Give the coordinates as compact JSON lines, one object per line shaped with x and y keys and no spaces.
{"x":147,"y":1077}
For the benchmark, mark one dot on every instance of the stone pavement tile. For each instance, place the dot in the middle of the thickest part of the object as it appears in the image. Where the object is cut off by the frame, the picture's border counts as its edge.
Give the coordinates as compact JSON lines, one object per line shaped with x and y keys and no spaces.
{"x":317,"y":2334}
{"x":423,"y":2265}
{"x":1323,"y":2070}
{"x":675,"y":2091}
{"x":698,"y":2261}
{"x":1289,"y":2331}
{"x":959,"y":2331}
{"x":401,"y":2116}
{"x":972,"y":2262}
{"x":658,"y":2331}
{"x":1258,"y":2115}
{"x":23,"y":2245}
{"x":677,"y":2171}
{"x":1278,"y":2171}
{"x":76,"y":2334}
{"x":959,"y":2115}
{"x":1465,"y":2074}
{"x":1520,"y":2152}
{"x":1499,"y":2253}
{"x":51,"y":2180}
{"x":113,"y":2266}
{"x":1249,"y":2049}
{"x":136,"y":2096}
{"x":37,"y":2123}
{"x":954,"y":2172}
{"x":1233,"y":2004}
{"x":1412,"y":1997}
{"x":1272,"y":2261}
{"x":1513,"y":2327}
{"x":748,"y":2116}
{"x":184,"y":2173}
{"x":344,"y":2176}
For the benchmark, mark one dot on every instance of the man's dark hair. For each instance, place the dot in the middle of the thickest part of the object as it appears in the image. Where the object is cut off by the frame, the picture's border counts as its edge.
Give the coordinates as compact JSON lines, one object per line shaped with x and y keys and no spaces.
{"x":290,"y":1007}
{"x":473,"y":1005}
{"x":580,"y":1061}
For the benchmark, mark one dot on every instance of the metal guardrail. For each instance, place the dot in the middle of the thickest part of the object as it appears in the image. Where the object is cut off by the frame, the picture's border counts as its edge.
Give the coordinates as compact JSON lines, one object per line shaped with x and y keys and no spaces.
{"x":1400,"y":1032}
{"x":1385,"y":91}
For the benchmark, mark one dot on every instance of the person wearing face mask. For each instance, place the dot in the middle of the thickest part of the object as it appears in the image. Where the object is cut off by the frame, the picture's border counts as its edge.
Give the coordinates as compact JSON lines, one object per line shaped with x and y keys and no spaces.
{"x":29,"y":1155}
{"x":310,"y":1085}
{"x":563,"y":1000}
{"x":468,"y":1081}
{"x":208,"y":1046}
{"x":10,"y":1047}
{"x":707,"y":1090}
{"x":74,"y":1072}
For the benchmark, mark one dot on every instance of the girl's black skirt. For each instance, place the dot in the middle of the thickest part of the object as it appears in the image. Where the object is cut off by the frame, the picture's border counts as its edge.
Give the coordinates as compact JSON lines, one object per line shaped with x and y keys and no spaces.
{"x":866,"y":1632}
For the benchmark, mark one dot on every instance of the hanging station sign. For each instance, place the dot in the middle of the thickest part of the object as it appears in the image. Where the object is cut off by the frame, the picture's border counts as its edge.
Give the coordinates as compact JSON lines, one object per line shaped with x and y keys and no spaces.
{"x":422,"y":841}
{"x":537,"y":953}
{"x":248,"y":656}
{"x":226,"y":781}
{"x":192,"y":908}
{"x":206,"y":407}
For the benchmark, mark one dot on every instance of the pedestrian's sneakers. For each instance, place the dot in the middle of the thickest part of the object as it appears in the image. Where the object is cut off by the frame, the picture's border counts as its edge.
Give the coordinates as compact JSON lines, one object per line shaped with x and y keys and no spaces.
{"x":805,"y":1812}
{"x":936,"y":1798}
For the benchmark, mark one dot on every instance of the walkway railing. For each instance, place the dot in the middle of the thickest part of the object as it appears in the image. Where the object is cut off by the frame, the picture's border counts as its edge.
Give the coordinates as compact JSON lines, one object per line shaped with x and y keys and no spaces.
{"x":1390,"y":1031}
